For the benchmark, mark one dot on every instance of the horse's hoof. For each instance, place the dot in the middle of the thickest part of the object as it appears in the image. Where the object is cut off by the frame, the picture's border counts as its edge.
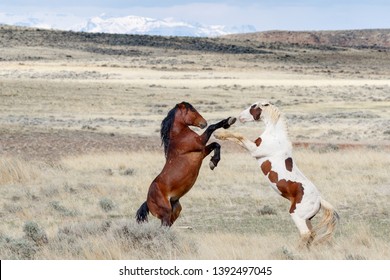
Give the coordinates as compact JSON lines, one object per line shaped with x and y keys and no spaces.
{"x":231,"y":120}
{"x":212,"y":165}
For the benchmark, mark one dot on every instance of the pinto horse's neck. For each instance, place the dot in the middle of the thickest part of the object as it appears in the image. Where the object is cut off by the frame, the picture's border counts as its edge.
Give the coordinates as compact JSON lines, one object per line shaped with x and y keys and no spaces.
{"x":277,"y":135}
{"x":277,"y":128}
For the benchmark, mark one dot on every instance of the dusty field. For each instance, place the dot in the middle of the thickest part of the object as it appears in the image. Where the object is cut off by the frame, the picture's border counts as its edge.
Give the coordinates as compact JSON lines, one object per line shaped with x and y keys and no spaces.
{"x":79,"y":147}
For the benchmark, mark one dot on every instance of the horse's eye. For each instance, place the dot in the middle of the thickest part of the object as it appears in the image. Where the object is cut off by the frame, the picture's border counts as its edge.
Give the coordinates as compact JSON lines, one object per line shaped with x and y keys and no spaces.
{"x":266,"y":104}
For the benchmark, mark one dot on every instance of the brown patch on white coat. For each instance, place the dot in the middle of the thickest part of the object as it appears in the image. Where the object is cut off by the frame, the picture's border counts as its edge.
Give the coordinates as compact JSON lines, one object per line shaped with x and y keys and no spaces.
{"x":291,"y":190}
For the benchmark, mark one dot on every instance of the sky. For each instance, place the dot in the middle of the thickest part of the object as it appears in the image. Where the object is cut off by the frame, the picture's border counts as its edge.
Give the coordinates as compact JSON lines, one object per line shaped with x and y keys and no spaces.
{"x":262,"y":14}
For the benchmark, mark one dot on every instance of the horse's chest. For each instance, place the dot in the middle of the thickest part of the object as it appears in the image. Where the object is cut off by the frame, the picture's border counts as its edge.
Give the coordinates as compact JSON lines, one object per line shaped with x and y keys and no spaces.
{"x":273,"y":145}
{"x":187,"y":144}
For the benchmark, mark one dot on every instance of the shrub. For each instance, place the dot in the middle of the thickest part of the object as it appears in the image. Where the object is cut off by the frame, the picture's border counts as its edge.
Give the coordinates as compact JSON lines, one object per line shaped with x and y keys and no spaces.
{"x":62,"y":210}
{"x":35,"y":233}
{"x":17,"y":249}
{"x":106,"y":204}
{"x":266,"y":210}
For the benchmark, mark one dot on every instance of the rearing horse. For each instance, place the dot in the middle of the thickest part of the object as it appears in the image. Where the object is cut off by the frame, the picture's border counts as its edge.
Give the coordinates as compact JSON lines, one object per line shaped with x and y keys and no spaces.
{"x":184,"y":153}
{"x":273,"y":151}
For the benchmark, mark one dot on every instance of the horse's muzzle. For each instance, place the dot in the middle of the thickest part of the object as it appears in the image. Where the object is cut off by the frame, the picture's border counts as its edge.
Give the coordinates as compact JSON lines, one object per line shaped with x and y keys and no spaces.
{"x":202,"y":125}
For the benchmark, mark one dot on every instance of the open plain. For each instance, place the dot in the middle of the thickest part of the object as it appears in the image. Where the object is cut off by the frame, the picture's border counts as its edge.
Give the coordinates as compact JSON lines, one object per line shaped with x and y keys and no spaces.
{"x":80,"y":116}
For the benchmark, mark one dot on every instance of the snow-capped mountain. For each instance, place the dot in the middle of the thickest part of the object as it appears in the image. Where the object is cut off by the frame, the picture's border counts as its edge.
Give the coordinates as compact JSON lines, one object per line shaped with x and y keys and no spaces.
{"x":150,"y":26}
{"x":123,"y":25}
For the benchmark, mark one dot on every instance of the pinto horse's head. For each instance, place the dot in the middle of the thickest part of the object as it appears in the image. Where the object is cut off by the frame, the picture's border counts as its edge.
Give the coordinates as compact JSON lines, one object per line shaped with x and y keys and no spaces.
{"x":262,"y":110}
{"x":190,"y":115}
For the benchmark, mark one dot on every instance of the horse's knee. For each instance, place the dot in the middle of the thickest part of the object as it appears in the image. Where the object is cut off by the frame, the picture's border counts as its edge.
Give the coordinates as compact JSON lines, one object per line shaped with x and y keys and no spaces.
{"x":301,"y":224}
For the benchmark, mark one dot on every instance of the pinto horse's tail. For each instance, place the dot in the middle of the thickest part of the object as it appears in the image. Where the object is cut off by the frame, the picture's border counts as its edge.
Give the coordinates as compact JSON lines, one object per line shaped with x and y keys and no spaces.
{"x":142,"y":213}
{"x":326,"y":227}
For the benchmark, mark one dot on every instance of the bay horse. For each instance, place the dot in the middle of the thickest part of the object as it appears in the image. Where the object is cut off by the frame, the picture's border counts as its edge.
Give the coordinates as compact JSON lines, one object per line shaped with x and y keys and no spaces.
{"x":184,"y":152}
{"x":273,"y":151}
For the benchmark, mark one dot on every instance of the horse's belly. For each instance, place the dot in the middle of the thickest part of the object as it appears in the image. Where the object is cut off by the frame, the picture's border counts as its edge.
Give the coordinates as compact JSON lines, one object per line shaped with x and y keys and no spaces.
{"x":289,"y":183}
{"x":182,"y":186}
{"x":179,"y":175}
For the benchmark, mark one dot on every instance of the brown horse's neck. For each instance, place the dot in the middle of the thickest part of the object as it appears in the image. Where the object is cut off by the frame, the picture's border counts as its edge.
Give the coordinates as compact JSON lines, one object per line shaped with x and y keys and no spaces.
{"x":178,"y":129}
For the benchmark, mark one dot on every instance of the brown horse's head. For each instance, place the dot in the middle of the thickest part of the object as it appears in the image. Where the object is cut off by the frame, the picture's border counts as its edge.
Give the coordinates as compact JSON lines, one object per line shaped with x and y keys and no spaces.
{"x":190,"y":115}
{"x":183,"y":113}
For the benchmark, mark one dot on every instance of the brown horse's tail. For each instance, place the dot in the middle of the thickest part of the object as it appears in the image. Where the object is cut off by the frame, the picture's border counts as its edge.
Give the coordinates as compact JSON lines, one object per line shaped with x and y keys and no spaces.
{"x":142,"y":213}
{"x":325,"y":229}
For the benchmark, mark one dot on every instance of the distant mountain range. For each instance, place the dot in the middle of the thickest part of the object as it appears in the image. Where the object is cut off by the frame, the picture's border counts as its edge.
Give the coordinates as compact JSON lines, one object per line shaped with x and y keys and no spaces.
{"x":150,"y":26}
{"x":130,"y":25}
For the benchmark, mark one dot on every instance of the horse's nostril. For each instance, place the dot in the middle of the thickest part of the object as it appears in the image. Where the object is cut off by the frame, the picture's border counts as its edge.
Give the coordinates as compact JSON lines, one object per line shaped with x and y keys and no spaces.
{"x":203,"y":125}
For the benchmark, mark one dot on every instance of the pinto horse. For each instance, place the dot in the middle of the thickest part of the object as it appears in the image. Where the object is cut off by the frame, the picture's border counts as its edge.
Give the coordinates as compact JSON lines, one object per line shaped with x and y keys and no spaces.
{"x":273,"y":151}
{"x":184,"y":153}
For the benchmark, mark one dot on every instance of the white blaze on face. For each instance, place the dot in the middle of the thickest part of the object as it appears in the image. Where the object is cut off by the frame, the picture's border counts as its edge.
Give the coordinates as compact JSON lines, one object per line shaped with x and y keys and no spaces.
{"x":254,"y":112}
{"x":245,"y":116}
{"x":250,"y":114}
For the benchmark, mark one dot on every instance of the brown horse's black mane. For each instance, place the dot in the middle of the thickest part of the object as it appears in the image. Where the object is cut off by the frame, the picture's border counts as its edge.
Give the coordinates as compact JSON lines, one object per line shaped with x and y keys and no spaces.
{"x":166,"y":125}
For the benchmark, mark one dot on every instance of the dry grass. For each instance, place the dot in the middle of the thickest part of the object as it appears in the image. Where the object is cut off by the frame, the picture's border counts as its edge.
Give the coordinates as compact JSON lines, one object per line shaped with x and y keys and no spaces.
{"x":13,"y":170}
{"x":225,"y":210}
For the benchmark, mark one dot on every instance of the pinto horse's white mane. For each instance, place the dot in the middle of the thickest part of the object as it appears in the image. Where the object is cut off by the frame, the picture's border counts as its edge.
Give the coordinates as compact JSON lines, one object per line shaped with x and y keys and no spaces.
{"x":271,"y":113}
{"x":272,"y":116}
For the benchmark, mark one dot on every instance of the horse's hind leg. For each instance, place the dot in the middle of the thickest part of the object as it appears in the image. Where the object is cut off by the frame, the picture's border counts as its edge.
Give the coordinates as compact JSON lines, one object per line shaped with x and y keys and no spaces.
{"x":176,"y":209}
{"x":159,"y":205}
{"x":304,"y":227}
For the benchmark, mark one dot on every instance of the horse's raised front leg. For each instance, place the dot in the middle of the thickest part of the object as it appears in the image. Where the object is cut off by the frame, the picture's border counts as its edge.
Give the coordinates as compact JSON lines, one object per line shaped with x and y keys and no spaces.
{"x":226,"y":123}
{"x":217,"y":154}
{"x":159,"y":205}
{"x":251,"y":146}
{"x":234,"y":137}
